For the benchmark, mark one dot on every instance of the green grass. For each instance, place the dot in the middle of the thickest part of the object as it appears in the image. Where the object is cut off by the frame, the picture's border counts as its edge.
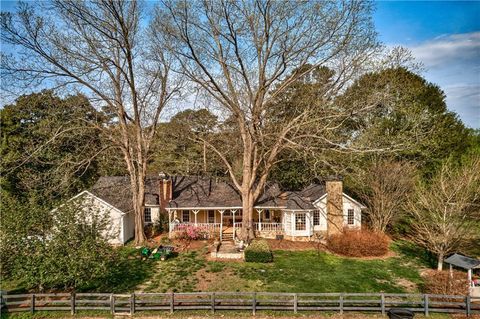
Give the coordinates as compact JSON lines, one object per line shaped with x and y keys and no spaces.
{"x":125,"y":273}
{"x":177,"y":273}
{"x":310,"y":271}
{"x":290,"y":271}
{"x":410,"y":251}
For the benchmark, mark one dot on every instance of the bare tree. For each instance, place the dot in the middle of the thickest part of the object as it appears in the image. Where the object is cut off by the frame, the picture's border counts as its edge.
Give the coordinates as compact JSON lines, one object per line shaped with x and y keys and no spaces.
{"x":244,"y":54}
{"x":446,"y":214}
{"x":104,"y":50}
{"x":383,"y":187}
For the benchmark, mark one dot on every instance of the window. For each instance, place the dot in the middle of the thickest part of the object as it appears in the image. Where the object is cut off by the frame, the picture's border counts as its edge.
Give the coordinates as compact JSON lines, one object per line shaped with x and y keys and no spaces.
{"x":147,"y":211}
{"x":300,"y":221}
{"x":186,"y":216}
{"x":211,"y":216}
{"x":350,"y":217}
{"x":267,"y":214}
{"x":316,"y":218}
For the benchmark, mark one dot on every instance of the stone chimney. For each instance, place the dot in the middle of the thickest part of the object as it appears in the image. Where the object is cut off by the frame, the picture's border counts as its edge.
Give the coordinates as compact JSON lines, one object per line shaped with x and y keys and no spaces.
{"x":165,"y":190}
{"x":334,"y":188}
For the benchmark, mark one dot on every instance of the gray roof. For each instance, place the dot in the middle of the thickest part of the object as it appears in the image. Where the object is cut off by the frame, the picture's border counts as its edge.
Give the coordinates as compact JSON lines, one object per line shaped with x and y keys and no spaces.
{"x":314,"y":191}
{"x":194,"y":191}
{"x":202,"y":192}
{"x":298,"y":202}
{"x":463,"y":261}
{"x":116,"y":191}
{"x":188,"y":191}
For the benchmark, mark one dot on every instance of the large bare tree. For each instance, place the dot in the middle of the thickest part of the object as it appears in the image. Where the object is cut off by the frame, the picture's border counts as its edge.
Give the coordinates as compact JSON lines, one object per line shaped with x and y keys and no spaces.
{"x":105,"y":50}
{"x":446,"y":214}
{"x":383,"y":186}
{"x":244,"y":54}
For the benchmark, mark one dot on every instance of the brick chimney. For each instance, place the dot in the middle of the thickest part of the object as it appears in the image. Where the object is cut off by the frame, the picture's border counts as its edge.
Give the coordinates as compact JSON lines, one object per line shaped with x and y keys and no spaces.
{"x":165,"y":191}
{"x":334,"y":188}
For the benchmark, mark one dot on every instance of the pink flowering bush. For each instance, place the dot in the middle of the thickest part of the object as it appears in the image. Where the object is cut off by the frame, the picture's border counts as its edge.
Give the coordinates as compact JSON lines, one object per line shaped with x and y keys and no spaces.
{"x":191,"y":232}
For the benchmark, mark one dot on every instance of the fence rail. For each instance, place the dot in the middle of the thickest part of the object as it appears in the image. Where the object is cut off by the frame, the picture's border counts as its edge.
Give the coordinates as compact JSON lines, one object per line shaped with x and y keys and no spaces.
{"x":248,"y":301}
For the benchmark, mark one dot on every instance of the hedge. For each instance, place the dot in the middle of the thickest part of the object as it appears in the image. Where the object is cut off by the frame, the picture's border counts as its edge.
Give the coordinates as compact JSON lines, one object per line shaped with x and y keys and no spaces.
{"x":258,"y":251}
{"x":358,"y":243}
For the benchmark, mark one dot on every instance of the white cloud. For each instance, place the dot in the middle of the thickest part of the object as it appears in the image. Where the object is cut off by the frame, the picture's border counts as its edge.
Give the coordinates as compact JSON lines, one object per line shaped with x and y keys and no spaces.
{"x":453,"y":62}
{"x":445,"y":48}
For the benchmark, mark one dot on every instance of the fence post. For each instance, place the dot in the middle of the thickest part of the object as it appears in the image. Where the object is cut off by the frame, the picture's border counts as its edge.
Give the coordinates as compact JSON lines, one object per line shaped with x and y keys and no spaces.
{"x":112,"y":304}
{"x":212,"y":297}
{"x":468,"y":309}
{"x":72,"y":303}
{"x":172,"y":302}
{"x":425,"y":305}
{"x":340,"y":303}
{"x":382,"y":305}
{"x":254,"y":303}
{"x":132,"y":304}
{"x":295,"y":303}
{"x":32,"y":303}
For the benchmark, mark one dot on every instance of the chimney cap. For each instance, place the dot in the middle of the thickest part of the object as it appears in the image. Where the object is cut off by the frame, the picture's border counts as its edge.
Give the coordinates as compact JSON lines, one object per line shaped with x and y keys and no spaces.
{"x":163,"y":175}
{"x":334,"y":178}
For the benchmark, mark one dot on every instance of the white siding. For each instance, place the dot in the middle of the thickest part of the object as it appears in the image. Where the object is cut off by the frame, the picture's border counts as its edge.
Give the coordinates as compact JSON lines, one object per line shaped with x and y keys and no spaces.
{"x":121,"y":225}
{"x":357,"y":219}
{"x":347,"y":204}
{"x":155,"y":213}
{"x":289,"y":223}
{"x":128,"y":227}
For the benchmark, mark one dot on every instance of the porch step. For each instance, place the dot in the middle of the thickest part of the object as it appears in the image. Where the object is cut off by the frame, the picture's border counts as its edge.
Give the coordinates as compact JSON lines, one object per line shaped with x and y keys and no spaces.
{"x":227,"y":237}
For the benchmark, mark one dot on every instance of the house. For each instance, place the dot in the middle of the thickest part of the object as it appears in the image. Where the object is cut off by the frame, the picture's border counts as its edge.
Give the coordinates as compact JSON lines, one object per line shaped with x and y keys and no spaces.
{"x":215,"y":206}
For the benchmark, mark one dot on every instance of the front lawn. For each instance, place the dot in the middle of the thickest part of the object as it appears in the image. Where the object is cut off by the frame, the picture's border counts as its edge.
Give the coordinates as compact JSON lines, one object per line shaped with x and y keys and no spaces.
{"x":311,"y":271}
{"x":299,"y":271}
{"x":291,"y":271}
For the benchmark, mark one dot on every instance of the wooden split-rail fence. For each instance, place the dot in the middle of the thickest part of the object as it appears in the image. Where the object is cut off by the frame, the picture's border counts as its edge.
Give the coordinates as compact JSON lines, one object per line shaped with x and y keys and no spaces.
{"x":246,"y":301}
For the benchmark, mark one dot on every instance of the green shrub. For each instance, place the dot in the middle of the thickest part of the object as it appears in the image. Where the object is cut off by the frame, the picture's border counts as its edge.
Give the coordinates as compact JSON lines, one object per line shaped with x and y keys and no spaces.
{"x":258,"y":251}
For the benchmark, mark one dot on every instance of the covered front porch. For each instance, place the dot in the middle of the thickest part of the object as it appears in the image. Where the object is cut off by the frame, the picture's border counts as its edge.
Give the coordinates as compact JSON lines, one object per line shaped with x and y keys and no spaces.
{"x":226,"y":222}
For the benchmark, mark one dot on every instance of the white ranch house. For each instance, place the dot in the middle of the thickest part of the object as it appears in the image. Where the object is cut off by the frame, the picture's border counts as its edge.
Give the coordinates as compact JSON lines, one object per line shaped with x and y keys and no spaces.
{"x":215,"y":206}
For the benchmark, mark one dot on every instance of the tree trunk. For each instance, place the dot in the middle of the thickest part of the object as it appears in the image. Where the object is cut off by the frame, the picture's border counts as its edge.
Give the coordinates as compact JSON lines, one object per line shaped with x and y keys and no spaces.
{"x":248,"y":231}
{"x":440,"y":262}
{"x":137,"y":184}
{"x":204,"y":157}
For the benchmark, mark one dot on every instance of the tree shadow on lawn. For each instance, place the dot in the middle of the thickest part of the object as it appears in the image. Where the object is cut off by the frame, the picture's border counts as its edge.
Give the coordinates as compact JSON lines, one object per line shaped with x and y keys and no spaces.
{"x":411,"y":251}
{"x":309,"y":271}
{"x":126,"y":271}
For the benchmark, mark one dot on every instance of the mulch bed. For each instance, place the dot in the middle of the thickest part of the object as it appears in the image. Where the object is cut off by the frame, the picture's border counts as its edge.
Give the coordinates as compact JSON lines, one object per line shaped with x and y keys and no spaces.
{"x":283,"y":244}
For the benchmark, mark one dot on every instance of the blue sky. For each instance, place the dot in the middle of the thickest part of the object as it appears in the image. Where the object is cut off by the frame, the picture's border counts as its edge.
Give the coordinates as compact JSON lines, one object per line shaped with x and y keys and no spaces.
{"x":445,"y":37}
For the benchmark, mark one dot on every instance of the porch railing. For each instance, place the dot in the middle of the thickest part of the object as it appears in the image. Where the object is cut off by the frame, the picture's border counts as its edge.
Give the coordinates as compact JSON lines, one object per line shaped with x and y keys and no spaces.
{"x":276,"y":227}
{"x":209,"y":227}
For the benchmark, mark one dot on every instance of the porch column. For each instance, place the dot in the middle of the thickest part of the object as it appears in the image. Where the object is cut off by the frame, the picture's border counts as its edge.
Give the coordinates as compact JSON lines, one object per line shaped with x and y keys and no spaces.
{"x":234,"y":226}
{"x":221,"y":224}
{"x":470,"y":278}
{"x":259,"y":211}
{"x":294,"y":222}
{"x":195,"y":212}
{"x":170,"y":224}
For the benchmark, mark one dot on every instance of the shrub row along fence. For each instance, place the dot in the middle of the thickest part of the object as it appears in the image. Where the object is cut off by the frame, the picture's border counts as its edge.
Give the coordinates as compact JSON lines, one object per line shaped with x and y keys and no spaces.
{"x":247,"y":301}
